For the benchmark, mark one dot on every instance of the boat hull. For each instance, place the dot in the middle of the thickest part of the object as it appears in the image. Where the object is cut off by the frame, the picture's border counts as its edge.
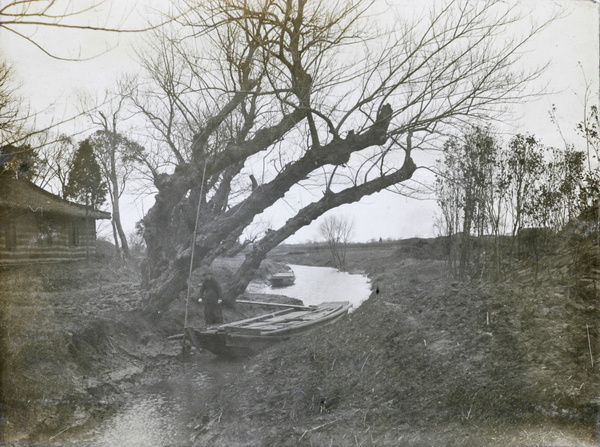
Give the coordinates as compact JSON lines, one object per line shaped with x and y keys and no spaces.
{"x":247,"y":337}
{"x":282,"y":280}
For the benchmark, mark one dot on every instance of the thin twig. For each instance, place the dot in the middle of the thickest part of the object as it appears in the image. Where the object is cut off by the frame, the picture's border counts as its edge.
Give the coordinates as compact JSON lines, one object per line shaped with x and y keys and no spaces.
{"x":589,"y":344}
{"x":318,"y":427}
{"x":111,"y":343}
{"x":305,"y":432}
{"x":365,"y":362}
{"x":60,"y":433}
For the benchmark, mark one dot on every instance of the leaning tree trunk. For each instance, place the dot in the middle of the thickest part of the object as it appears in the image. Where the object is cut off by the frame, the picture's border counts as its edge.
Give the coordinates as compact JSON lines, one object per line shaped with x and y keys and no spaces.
{"x":170,"y":284}
{"x":159,"y":228}
{"x":158,"y":232}
{"x":307,"y":215}
{"x":230,"y":225}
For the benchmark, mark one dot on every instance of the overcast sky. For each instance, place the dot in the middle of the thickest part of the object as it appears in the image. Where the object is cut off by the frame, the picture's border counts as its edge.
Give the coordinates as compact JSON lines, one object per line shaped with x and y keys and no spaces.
{"x":570,"y":44}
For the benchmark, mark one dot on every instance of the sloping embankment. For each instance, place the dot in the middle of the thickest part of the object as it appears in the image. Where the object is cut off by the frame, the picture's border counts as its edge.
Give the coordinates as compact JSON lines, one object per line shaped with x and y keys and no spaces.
{"x":424,"y":361}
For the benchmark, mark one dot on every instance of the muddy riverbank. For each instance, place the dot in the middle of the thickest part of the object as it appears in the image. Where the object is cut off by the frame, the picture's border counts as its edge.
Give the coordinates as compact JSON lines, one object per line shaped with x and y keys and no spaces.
{"x":76,"y":350}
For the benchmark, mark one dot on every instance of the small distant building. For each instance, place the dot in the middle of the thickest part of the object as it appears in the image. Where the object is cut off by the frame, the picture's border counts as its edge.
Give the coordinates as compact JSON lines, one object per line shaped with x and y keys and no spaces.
{"x":38,"y":226}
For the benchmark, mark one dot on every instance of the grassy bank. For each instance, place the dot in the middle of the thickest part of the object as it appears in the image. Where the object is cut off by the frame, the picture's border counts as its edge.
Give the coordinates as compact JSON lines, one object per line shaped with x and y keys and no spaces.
{"x":425,"y":361}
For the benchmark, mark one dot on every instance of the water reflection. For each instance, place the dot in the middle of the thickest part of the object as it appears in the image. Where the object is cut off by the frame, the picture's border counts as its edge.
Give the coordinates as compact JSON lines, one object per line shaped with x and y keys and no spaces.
{"x":160,"y":414}
{"x":315,"y":285}
{"x":143,"y":423}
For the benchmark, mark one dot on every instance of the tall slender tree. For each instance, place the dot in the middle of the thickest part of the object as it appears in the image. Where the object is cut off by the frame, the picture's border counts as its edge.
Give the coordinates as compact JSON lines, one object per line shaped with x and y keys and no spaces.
{"x":116,"y":155}
{"x":337,"y":232}
{"x":589,"y":129}
{"x":465,"y":190}
{"x":85,"y":184}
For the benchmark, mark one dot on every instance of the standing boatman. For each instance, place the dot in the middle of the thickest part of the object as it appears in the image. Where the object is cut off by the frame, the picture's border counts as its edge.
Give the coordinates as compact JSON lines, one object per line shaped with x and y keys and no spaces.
{"x":211,"y":294}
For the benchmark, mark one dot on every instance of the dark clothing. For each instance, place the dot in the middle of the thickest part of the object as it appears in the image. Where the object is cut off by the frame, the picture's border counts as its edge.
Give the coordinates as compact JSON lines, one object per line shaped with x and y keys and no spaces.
{"x":211,"y":293}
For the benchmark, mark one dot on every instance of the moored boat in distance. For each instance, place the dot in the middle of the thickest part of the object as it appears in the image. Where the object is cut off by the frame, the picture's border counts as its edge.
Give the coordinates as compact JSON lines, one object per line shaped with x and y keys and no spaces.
{"x":283,"y":278}
{"x":246,"y":337}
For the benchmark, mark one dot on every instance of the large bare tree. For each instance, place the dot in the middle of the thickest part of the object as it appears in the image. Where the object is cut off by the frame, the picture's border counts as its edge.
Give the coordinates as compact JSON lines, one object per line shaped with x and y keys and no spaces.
{"x":253,"y":101}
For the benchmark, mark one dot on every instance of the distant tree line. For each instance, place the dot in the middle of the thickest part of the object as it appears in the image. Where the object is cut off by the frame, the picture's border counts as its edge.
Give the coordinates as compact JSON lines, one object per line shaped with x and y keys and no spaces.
{"x":500,"y":202}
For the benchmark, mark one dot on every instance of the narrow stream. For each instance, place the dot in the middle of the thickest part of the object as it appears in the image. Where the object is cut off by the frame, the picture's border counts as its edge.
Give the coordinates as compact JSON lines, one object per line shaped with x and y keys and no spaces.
{"x":162,"y":414}
{"x":316,"y":285}
{"x":154,"y":420}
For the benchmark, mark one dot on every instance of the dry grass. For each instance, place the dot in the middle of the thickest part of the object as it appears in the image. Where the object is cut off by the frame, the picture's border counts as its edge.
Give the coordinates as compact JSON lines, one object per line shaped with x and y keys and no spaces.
{"x":71,"y":337}
{"x":425,"y":361}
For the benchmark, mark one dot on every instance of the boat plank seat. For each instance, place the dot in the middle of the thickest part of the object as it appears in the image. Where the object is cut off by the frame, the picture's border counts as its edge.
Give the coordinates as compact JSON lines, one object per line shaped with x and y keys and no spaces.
{"x":295,"y":314}
{"x":252,"y":330}
{"x":278,"y":320}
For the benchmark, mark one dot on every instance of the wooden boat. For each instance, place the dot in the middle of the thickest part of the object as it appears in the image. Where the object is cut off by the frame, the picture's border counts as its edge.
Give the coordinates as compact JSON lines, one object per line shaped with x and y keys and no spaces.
{"x":283,"y":279}
{"x":246,"y":337}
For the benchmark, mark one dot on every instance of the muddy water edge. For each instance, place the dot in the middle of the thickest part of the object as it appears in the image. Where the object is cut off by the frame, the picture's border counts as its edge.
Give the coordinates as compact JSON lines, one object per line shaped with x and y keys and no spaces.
{"x":75,"y":352}
{"x":166,"y":406}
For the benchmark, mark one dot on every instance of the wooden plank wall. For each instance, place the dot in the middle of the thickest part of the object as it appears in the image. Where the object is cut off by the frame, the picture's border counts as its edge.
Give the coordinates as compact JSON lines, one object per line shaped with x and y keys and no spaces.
{"x":27,"y":237}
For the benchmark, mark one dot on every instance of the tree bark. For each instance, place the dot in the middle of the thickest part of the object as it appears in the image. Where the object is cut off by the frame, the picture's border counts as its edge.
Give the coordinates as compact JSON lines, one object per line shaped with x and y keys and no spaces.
{"x":160,"y":232}
{"x":120,"y":231}
{"x":160,"y":240}
{"x":116,"y":212}
{"x":169,"y":284}
{"x":115,"y":238}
